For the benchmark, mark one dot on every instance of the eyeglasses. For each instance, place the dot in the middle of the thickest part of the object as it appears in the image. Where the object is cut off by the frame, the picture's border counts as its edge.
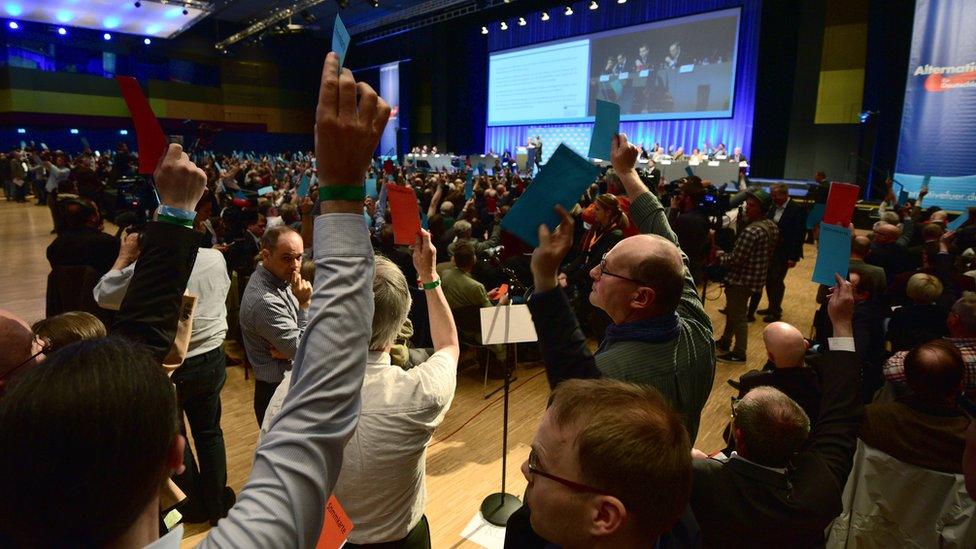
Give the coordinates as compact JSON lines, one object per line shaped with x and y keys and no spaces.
{"x":575,"y":486}
{"x":734,"y":402}
{"x":605,"y":272}
{"x":44,"y":348}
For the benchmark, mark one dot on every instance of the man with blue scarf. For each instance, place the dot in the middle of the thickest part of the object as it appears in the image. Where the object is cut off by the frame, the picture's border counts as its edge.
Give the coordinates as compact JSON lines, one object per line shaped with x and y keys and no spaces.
{"x":660,"y":334}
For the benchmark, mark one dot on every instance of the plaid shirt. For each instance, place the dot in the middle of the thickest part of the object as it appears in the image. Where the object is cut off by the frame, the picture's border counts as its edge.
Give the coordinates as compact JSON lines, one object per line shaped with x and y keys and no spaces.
{"x":894,"y":368}
{"x":749,"y":260}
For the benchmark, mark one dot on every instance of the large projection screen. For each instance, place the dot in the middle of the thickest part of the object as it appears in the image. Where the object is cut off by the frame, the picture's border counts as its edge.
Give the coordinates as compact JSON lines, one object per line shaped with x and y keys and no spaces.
{"x":666,"y":70}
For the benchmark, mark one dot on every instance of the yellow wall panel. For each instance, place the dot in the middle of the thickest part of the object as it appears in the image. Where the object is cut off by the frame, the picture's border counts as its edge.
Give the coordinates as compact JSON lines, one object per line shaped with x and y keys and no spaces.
{"x":839,"y":97}
{"x":66,"y":103}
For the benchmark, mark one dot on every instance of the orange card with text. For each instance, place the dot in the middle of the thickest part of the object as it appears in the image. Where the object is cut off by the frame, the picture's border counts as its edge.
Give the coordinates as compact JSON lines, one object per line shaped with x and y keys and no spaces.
{"x":335,"y":526}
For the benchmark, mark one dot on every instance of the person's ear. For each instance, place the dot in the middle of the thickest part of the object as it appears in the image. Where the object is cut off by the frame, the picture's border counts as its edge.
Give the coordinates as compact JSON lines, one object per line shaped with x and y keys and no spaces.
{"x":265,"y":255}
{"x":644,"y":298}
{"x":607,"y":515}
{"x":174,"y":461}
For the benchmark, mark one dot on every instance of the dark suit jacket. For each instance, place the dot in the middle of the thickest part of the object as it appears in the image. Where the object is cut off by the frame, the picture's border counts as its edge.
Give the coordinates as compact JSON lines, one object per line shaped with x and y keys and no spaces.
{"x":740,"y":504}
{"x":792,"y":230}
{"x":800,"y":384}
{"x":84,"y":247}
{"x":893,"y":258}
{"x":151,"y":307}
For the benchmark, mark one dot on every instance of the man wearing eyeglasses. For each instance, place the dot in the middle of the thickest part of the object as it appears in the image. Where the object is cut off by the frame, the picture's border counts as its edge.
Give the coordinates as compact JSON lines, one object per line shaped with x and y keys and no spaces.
{"x":783,"y":484}
{"x":610,"y":466}
{"x":660,"y":334}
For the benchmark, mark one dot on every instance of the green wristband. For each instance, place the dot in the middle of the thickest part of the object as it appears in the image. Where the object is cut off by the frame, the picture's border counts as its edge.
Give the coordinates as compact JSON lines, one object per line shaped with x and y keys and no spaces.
{"x":432,"y":285}
{"x":188,"y":223}
{"x":342,"y":192}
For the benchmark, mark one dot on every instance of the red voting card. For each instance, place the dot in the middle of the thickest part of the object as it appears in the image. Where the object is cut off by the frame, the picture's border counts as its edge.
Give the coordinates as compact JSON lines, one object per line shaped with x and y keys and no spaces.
{"x":335,"y":526}
{"x":840,"y":204}
{"x":406,"y":214}
{"x":149,"y":134}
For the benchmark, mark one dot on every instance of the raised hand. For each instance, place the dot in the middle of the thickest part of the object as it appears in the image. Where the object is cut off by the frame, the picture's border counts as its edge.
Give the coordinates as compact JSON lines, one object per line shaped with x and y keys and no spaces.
{"x":553,"y":247}
{"x":840,"y":307}
{"x":302,"y":290}
{"x":623,"y":155}
{"x":424,"y":257}
{"x":346,"y":133}
{"x":179,"y":182}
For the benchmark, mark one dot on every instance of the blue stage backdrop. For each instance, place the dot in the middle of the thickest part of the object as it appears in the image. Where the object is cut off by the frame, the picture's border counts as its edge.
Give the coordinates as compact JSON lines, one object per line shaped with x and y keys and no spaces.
{"x":734,"y":132}
{"x":938,"y":124}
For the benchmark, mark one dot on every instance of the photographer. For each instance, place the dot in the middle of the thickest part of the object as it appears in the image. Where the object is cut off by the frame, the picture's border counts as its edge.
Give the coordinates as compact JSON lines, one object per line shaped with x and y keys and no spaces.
{"x":690,"y":223}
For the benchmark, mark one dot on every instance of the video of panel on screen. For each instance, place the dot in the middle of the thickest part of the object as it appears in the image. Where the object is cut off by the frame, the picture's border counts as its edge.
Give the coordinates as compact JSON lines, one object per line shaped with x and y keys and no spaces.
{"x":683,"y":68}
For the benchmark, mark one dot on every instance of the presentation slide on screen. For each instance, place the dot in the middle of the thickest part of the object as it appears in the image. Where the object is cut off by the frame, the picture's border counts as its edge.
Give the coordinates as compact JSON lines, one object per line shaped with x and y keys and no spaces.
{"x":666,"y":70}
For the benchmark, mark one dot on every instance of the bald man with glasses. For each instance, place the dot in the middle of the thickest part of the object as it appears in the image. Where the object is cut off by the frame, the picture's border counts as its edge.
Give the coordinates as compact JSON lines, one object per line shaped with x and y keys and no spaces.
{"x":660,"y":334}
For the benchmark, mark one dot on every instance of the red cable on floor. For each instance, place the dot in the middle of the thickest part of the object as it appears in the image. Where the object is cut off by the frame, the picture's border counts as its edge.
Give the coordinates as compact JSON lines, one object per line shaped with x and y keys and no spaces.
{"x":485,"y":407}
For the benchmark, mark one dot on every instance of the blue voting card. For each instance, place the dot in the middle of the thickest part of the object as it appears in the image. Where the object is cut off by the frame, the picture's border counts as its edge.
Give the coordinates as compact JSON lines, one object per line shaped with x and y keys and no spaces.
{"x":561,"y":181}
{"x":303,"y":186}
{"x":240,"y":195}
{"x":816,"y":215}
{"x":265,"y":190}
{"x":340,"y":40}
{"x":371,"y":187}
{"x":468,"y":185}
{"x":902,"y":198}
{"x":833,"y":254}
{"x":957,"y":222}
{"x":606,"y":125}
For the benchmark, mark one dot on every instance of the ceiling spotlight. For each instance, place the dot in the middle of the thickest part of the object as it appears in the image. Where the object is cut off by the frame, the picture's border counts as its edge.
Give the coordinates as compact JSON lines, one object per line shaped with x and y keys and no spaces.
{"x":484,"y":30}
{"x":375,"y":3}
{"x":62,"y":31}
{"x":107,"y":36}
{"x":138,"y":4}
{"x":13,"y":25}
{"x":545,"y":16}
{"x":521,"y":21}
{"x":621,"y":1}
{"x":146,"y":41}
{"x":504,"y":26}
{"x":569,"y":10}
{"x":594,"y":5}
{"x":74,"y":131}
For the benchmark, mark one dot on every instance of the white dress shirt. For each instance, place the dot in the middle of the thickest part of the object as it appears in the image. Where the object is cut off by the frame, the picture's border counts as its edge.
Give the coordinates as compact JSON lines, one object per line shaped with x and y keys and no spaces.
{"x":382,"y":482}
{"x":778,"y":212}
{"x":209,"y":283}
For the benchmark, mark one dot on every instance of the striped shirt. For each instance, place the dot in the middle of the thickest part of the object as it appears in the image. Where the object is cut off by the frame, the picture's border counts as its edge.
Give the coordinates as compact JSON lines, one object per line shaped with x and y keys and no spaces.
{"x":270,"y":319}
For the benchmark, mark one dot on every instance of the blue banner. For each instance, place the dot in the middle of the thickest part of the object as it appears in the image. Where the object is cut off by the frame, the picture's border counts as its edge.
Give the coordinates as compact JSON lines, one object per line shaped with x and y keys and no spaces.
{"x":938,"y":125}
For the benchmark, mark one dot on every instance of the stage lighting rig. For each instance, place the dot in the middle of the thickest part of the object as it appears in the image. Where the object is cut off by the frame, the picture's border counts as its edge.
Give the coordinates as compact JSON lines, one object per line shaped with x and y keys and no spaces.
{"x":375,"y":3}
{"x":545,"y":16}
{"x":569,"y":10}
{"x":504,"y":26}
{"x":521,"y":21}
{"x":594,"y":5}
{"x":484,"y":30}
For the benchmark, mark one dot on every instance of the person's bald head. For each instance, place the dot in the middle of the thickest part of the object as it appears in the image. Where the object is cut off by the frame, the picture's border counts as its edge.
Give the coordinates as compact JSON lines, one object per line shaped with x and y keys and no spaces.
{"x":657,"y":271}
{"x":860,"y":246}
{"x":886,"y":234}
{"x":784,"y":345}
{"x":17,"y":341}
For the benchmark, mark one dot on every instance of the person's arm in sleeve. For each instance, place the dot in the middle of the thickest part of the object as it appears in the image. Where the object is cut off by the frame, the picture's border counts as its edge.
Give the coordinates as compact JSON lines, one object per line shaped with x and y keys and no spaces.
{"x":649,"y":215}
{"x":297,"y":464}
{"x":111,"y":288}
{"x":151,"y":306}
{"x":563,"y":344}
{"x":278,"y":327}
{"x":834,"y":436}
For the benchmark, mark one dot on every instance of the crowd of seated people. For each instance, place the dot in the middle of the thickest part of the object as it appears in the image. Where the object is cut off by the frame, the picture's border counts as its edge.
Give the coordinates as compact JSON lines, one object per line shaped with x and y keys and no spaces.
{"x":355,"y":343}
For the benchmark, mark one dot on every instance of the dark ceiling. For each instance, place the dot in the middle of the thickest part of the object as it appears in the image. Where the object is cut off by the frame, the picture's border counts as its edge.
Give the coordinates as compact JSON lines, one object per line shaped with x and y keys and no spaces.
{"x":358,"y":12}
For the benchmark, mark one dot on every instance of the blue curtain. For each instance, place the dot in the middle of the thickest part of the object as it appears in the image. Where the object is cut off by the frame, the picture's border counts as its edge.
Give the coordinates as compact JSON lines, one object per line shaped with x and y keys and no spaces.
{"x":734,"y":132}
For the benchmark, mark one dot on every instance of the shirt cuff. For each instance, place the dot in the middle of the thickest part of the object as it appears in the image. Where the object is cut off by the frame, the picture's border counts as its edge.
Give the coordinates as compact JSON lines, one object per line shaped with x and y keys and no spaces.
{"x":841,"y":343}
{"x":341,"y":234}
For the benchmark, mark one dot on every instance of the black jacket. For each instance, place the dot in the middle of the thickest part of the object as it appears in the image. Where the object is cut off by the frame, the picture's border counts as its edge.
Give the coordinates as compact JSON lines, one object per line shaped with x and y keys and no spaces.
{"x":151,"y":307}
{"x":740,"y":504}
{"x":792,"y":230}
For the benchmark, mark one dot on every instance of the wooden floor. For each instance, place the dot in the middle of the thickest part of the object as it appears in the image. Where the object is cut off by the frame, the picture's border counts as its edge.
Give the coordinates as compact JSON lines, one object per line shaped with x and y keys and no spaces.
{"x":464,"y":458}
